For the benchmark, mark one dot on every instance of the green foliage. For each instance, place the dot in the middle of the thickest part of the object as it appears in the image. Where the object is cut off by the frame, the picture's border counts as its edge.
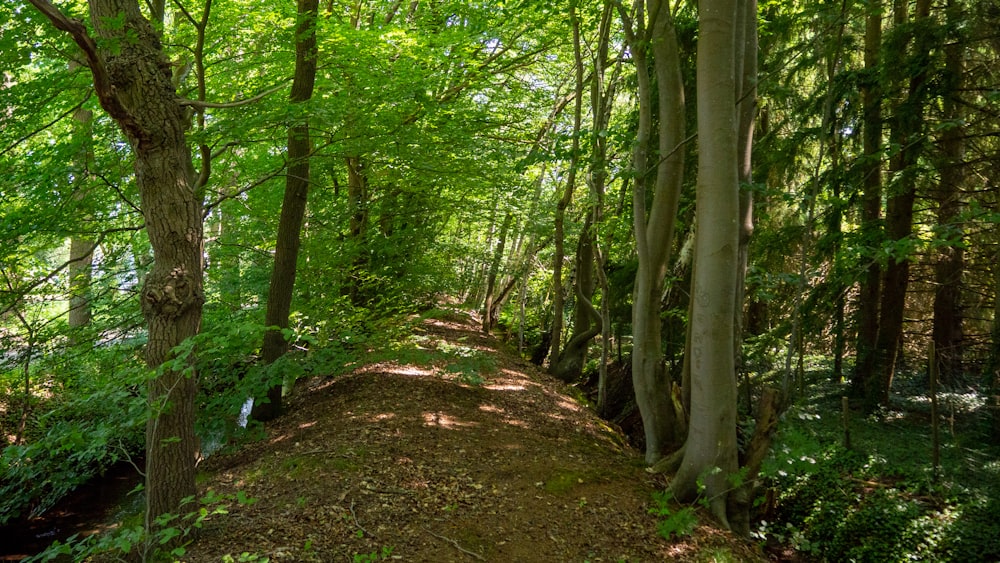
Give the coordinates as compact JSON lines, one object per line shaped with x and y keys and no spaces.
{"x":166,"y":542}
{"x":382,"y":555}
{"x":673,"y":521}
{"x":93,"y":422}
{"x":879,"y":502}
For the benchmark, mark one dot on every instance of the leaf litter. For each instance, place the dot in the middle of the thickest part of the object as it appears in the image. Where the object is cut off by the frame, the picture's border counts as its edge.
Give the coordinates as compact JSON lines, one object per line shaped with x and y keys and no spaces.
{"x":405,"y":462}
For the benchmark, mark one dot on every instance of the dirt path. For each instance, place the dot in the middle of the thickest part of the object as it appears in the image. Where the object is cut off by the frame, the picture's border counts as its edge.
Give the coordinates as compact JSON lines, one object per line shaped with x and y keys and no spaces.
{"x":406,"y":462}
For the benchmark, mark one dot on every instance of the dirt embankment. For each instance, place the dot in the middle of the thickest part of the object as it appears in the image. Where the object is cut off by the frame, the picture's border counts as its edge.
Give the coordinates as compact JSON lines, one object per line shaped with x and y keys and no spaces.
{"x":423,"y":463}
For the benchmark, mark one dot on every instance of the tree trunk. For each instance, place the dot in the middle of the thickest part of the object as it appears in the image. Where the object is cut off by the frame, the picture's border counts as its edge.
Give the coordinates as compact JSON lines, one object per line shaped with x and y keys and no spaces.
{"x":491,"y":279}
{"x":871,"y":212}
{"x":357,"y":203}
{"x":654,"y":236}
{"x":710,"y":454}
{"x":586,"y":319}
{"x":947,"y":332}
{"x":907,"y":129}
{"x":558,"y":301}
{"x":746,"y":100}
{"x":81,"y":248}
{"x":293,"y":207}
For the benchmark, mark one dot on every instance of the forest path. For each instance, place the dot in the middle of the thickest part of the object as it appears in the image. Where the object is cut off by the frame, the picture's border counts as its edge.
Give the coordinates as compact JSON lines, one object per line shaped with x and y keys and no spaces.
{"x":426,"y":462}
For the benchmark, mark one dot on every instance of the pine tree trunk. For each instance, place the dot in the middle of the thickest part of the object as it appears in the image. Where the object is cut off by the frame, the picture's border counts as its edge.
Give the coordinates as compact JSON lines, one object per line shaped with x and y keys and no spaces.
{"x":871,"y":212}
{"x":947,"y":331}
{"x":907,"y":131}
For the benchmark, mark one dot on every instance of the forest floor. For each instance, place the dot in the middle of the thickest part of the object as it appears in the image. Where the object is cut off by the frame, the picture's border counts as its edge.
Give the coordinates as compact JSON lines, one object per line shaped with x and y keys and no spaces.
{"x":418,"y":462}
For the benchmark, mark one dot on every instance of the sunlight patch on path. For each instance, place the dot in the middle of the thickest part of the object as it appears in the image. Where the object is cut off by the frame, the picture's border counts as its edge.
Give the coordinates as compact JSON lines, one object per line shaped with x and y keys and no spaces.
{"x":446,"y":421}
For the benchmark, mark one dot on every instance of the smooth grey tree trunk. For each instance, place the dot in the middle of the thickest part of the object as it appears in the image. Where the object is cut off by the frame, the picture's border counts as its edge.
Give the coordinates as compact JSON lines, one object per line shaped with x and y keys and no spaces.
{"x":710,"y":455}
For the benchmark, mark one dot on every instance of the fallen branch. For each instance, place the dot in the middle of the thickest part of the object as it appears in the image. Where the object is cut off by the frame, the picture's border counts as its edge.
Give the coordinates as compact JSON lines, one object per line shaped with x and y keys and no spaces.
{"x":457,"y":546}
{"x":358,"y":524}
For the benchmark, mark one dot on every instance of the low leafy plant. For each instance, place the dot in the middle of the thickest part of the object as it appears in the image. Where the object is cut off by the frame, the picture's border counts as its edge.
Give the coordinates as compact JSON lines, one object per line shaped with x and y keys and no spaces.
{"x":673,"y":521}
{"x":382,"y":555}
{"x":170,"y":535}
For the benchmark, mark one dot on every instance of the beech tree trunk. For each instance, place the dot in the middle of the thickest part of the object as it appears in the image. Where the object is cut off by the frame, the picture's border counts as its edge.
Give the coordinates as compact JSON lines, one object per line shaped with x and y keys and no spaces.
{"x":654,"y":231}
{"x":710,"y":454}
{"x":293,"y":207}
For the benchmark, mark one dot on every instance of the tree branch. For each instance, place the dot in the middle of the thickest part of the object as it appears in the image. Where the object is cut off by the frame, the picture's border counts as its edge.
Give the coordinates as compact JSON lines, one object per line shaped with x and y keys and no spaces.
{"x":198,"y":104}
{"x":106,"y":92}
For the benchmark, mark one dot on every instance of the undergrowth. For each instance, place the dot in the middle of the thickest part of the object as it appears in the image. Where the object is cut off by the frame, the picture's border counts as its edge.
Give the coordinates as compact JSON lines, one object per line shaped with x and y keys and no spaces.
{"x":881,"y":501}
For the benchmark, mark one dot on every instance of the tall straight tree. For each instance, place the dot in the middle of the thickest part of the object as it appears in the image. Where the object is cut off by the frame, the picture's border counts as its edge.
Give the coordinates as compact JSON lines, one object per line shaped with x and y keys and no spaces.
{"x":907,"y":135}
{"x":871,"y":211}
{"x":947,"y":332}
{"x":132,"y":80}
{"x":559,"y":236}
{"x":710,"y":455}
{"x":293,"y":206}
{"x":653,"y":33}
{"x":81,"y":247}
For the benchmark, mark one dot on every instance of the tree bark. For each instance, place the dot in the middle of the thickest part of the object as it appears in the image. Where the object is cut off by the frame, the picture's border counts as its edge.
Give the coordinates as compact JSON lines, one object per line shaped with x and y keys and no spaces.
{"x":654,"y":231}
{"x":906,"y":132}
{"x":132,"y":80}
{"x":947,"y":331}
{"x":293,"y":208}
{"x":558,"y":300}
{"x":710,"y":454}
{"x":871,"y":211}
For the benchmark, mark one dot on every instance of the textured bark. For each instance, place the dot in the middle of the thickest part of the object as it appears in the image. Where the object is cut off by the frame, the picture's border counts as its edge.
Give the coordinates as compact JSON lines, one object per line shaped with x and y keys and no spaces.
{"x":907,"y":129}
{"x":710,"y":454}
{"x":654,"y":231}
{"x":947,"y":331}
{"x":871,"y":212}
{"x":293,"y":207}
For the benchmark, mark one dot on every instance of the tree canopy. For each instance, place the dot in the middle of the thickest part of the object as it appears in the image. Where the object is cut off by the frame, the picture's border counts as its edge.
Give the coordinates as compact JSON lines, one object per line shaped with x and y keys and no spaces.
{"x":713,"y":193}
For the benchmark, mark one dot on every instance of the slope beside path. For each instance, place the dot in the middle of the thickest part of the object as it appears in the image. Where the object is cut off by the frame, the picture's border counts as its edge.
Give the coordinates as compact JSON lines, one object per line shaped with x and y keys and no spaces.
{"x":417,"y":462}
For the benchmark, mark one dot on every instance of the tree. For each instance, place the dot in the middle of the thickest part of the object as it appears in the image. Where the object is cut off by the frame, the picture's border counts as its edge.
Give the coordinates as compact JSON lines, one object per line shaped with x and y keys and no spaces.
{"x":565,"y":199}
{"x":293,"y":207}
{"x":81,"y":250}
{"x":132,"y":80}
{"x":710,"y":455}
{"x":871,"y":228}
{"x":653,"y":33}
{"x":907,"y":131}
{"x":947,"y":331}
